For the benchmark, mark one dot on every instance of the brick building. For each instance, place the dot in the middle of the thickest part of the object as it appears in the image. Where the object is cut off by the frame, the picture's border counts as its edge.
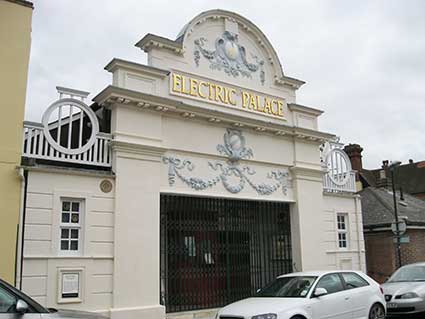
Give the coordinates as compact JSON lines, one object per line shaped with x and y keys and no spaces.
{"x":378,"y":214}
{"x":374,"y":187}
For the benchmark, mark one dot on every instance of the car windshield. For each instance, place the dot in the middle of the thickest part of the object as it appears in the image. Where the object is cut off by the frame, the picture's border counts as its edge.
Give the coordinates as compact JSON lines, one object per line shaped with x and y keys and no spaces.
{"x":409,"y":273}
{"x":288,"y":287}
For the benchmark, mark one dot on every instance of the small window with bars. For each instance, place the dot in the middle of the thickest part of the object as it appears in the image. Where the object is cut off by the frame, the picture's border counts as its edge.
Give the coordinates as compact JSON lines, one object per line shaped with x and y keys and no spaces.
{"x":342,"y":229}
{"x":70,"y":226}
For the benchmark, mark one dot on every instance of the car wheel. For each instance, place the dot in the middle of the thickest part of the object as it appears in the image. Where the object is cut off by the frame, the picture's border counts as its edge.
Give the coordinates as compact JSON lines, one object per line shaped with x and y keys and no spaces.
{"x":377,"y":312}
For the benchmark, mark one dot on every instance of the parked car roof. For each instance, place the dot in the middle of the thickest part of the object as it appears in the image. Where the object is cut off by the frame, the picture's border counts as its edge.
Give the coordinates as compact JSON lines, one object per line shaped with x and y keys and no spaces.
{"x":316,"y":273}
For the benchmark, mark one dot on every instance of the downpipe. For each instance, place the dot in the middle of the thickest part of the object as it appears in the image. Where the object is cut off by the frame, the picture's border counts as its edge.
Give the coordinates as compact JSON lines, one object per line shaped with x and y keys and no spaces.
{"x":21,"y":226}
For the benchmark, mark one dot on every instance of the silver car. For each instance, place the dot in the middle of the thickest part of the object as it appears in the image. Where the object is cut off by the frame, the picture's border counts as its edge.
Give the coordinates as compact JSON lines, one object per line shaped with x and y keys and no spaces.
{"x":405,"y":290}
{"x":15,"y":304}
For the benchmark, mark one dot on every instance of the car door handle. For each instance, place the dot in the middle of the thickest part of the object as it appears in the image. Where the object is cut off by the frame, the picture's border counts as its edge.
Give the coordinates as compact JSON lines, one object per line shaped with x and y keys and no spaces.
{"x":347,"y":298}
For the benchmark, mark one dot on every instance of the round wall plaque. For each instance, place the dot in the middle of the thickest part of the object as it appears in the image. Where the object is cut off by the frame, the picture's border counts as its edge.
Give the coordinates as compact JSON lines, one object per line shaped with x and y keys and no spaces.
{"x":105,"y":186}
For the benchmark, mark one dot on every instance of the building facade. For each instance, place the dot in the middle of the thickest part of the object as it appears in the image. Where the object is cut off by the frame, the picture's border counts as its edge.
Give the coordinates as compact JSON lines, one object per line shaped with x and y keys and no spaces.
{"x":375,"y":190}
{"x":15,"y":36}
{"x":189,"y":183}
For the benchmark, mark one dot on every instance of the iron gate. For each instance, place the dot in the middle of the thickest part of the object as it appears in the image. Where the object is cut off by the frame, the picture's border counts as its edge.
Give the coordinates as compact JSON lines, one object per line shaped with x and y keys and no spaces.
{"x":215,"y":251}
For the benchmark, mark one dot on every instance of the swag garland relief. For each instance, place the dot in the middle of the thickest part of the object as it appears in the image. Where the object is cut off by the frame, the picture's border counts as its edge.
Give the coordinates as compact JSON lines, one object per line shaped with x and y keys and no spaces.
{"x":231,"y":174}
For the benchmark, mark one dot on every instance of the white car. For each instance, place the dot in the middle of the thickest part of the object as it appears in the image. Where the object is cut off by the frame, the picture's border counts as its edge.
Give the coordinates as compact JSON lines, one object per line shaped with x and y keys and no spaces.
{"x":405,"y":290}
{"x":313,"y":295}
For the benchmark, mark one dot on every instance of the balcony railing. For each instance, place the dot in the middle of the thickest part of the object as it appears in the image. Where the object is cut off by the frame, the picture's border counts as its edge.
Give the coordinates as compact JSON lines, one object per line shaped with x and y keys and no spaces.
{"x":329,"y":184}
{"x":35,"y":145}
{"x":339,"y":176}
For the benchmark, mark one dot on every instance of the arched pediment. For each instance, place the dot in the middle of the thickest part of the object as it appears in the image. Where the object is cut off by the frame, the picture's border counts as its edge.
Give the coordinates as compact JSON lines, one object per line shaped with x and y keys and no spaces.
{"x":227,"y":43}
{"x":222,"y":45}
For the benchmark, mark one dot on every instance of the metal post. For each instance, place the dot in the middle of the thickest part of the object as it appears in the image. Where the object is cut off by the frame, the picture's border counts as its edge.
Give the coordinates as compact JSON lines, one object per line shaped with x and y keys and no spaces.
{"x":396,"y":217}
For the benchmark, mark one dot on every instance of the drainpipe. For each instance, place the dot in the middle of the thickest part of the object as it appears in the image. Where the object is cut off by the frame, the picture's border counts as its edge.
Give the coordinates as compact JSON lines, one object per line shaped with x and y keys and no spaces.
{"x":20,"y":240}
{"x":359,"y":230}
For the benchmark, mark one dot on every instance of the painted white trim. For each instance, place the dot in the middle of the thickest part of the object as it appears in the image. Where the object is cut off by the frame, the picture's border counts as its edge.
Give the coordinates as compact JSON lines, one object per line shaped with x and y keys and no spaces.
{"x":346,"y":231}
{"x":67,"y":257}
{"x":56,"y":209}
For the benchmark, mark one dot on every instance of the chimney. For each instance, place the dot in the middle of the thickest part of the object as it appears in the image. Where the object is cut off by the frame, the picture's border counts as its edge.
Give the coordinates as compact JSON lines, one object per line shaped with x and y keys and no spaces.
{"x":384,"y":177}
{"x":410,"y":161}
{"x":354,"y":152}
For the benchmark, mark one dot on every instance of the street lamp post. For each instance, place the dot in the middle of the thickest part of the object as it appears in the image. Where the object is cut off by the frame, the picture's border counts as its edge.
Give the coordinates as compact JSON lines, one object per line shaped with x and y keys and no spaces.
{"x":393,"y":167}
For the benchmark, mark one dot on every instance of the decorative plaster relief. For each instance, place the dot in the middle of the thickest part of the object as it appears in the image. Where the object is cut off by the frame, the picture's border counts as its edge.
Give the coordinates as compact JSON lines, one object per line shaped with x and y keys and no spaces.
{"x":235,"y":150}
{"x":230,"y":56}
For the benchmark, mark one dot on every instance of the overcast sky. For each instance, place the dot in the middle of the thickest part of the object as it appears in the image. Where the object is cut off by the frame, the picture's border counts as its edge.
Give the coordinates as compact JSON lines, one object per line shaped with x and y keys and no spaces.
{"x":363,"y":61}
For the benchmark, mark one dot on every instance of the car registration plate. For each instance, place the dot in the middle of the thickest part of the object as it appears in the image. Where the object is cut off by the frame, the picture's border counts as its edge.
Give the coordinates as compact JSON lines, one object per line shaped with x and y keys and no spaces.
{"x":392,"y":305}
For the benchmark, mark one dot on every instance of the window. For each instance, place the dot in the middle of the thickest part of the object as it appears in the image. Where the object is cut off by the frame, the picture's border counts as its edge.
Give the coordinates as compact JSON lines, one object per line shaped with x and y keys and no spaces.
{"x":332,"y":283}
{"x":7,"y":302}
{"x":342,"y":229}
{"x":70,"y":226}
{"x":353,"y":280}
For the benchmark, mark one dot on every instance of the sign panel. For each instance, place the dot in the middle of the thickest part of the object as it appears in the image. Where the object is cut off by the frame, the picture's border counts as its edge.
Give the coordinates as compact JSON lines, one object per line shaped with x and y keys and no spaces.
{"x":401,"y":227}
{"x":225,"y":95}
{"x":403,"y":240}
{"x":70,"y":285}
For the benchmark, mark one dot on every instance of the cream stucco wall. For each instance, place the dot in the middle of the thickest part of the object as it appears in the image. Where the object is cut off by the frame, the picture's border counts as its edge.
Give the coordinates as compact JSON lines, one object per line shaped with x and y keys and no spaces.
{"x":354,"y":256}
{"x":15,"y":39}
{"x":42,"y":258}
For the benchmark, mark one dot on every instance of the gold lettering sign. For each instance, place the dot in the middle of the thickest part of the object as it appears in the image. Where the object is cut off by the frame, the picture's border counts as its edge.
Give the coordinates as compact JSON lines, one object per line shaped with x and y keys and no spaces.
{"x":233,"y":97}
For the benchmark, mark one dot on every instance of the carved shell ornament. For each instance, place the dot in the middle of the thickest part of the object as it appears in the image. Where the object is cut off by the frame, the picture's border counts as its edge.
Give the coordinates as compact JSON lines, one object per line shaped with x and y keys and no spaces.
{"x":231,"y":174}
{"x":229,"y":56}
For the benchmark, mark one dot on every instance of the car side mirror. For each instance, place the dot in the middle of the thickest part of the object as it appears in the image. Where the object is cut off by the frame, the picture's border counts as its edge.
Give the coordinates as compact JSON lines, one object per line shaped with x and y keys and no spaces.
{"x":21,"y":306}
{"x":318,"y":292}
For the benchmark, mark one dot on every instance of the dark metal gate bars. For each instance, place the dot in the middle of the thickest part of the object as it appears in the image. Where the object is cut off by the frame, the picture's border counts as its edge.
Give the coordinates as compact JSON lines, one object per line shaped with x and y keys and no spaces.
{"x":215,"y":251}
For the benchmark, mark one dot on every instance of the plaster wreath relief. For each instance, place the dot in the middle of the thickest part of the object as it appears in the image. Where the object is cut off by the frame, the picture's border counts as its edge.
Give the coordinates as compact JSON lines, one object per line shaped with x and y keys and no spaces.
{"x":234,"y":149}
{"x":228,"y":55}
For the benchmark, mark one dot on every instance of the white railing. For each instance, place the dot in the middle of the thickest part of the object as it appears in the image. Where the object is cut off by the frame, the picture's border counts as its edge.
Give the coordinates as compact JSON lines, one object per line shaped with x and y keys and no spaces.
{"x":35,"y":145}
{"x":330,"y":186}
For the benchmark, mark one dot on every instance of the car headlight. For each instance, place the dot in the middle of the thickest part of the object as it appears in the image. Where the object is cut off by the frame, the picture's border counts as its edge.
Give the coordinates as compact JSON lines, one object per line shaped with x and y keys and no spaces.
{"x":409,"y":295}
{"x":265,"y":316}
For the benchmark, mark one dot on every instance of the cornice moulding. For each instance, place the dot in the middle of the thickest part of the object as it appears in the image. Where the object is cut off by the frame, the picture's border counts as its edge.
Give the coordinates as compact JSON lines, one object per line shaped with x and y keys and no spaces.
{"x":113,"y":95}
{"x":290,"y":82}
{"x":68,"y":171}
{"x":304,"y":109}
{"x":150,"y":41}
{"x":23,"y":3}
{"x":115,"y":64}
{"x":340,"y":194}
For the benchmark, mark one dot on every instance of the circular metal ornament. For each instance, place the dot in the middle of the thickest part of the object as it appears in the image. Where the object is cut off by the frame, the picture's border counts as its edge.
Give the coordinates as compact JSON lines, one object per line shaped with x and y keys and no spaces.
{"x":83,"y":108}
{"x":336,"y":178}
{"x":106,"y":186}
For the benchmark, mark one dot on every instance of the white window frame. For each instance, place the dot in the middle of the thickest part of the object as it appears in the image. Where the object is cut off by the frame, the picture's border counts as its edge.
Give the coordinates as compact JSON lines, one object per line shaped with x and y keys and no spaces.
{"x":70,"y":226}
{"x":343,"y":231}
